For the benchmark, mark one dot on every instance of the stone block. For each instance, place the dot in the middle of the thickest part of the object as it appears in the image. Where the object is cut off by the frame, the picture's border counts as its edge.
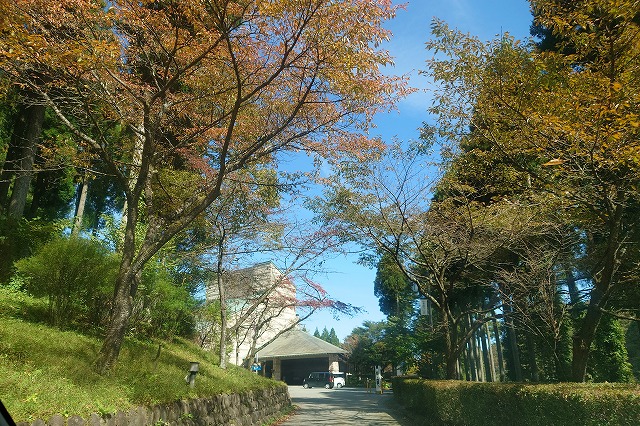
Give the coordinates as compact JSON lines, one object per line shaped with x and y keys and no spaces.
{"x":201,"y":408}
{"x":120,"y":419}
{"x":108,"y":420}
{"x":96,"y":420}
{"x":153,"y":415}
{"x":76,"y":421}
{"x":56,"y":420}
{"x":226,"y":401}
{"x":245,"y":409}
{"x":138,"y":417}
{"x":174,"y":411}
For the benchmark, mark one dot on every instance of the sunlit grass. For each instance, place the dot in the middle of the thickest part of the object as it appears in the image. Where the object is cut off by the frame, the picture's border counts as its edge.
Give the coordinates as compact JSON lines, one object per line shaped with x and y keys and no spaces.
{"x":45,"y":371}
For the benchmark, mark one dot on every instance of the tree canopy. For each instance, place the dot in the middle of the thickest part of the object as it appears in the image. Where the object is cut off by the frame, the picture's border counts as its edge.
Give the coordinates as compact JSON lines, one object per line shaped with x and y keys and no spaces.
{"x":203,"y":90}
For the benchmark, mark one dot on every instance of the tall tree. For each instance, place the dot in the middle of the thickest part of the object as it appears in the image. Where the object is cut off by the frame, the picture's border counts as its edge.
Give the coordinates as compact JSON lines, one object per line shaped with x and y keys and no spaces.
{"x":26,"y":135}
{"x":443,"y":247}
{"x":393,"y":289}
{"x":206,"y":89}
{"x":333,"y":337}
{"x":367,"y":348}
{"x":325,"y":334}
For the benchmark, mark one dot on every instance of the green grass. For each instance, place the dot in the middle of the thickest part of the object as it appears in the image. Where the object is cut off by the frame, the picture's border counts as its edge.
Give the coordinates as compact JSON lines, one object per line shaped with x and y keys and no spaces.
{"x":45,"y":371}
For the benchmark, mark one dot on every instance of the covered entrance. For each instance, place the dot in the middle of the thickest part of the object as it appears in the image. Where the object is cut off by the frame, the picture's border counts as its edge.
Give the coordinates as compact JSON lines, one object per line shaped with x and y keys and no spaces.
{"x":294,"y":370}
{"x":296,"y":353}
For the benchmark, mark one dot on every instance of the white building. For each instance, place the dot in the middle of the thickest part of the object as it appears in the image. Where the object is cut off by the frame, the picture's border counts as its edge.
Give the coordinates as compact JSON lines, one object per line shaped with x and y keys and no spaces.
{"x":261,"y":303}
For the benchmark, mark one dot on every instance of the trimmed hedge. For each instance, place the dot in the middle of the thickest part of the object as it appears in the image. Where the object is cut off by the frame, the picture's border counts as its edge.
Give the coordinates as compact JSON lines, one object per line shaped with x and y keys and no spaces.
{"x":565,"y":404}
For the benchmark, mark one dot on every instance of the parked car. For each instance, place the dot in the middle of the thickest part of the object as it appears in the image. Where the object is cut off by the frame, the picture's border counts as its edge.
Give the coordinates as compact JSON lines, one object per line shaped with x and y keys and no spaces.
{"x":319,"y":378}
{"x":339,"y":379}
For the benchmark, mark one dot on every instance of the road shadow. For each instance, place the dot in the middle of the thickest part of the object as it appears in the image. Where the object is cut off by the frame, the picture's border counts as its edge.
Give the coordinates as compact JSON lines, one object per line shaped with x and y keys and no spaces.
{"x":348,"y":406}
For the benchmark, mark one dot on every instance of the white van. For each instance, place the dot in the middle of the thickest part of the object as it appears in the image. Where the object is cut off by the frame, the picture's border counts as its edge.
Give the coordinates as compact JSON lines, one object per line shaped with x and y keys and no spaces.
{"x":339,"y":379}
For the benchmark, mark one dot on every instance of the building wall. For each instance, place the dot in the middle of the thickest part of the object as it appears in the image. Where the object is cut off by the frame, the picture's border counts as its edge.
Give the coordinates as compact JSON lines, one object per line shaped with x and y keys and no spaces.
{"x":244,"y":287}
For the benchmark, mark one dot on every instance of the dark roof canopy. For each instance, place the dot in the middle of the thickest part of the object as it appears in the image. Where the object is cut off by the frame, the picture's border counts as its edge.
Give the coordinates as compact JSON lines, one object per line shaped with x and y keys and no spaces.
{"x":298,"y":343}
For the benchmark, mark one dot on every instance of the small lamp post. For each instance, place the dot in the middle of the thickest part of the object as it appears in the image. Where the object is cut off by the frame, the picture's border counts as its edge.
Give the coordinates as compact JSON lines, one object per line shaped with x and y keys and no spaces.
{"x":190,"y":378}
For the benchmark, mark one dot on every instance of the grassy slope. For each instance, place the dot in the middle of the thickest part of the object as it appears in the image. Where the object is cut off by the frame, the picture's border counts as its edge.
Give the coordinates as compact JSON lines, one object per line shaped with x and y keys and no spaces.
{"x":45,"y":371}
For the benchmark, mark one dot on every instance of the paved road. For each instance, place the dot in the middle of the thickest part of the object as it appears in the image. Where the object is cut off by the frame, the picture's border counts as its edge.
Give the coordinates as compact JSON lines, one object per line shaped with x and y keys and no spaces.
{"x":346,"y":406}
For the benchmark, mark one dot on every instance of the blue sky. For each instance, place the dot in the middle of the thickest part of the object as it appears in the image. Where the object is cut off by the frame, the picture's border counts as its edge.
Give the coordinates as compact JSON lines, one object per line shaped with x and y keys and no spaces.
{"x":345,"y":280}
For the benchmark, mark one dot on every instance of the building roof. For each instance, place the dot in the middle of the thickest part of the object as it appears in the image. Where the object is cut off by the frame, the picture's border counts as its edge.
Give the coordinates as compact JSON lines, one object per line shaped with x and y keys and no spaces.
{"x":251,"y":282}
{"x":298,"y":343}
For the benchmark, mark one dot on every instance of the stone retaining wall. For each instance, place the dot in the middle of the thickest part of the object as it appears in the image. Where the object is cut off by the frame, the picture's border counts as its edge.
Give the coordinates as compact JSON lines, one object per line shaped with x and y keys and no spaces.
{"x":245,"y":409}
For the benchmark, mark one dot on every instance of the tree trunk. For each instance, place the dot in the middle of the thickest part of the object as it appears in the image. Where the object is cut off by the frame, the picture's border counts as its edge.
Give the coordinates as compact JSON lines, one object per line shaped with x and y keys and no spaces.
{"x":450,"y":353}
{"x":250,"y":357}
{"x":496,"y":333}
{"x":533,"y":363}
{"x":27,"y":142}
{"x":515,"y":353}
{"x":599,"y":296}
{"x":584,"y":337}
{"x":133,"y":259}
{"x":39,"y":190}
{"x":237,"y":348}
{"x":223,"y":325}
{"x":473,"y":356}
{"x":82,"y":201}
{"x":482,"y":372}
{"x":572,"y":287}
{"x":124,"y":293}
{"x":451,"y":367}
{"x":490,"y":373}
{"x":222,"y":297}
{"x":469,"y":367}
{"x":9,"y":166}
{"x":471,"y":362}
{"x":119,"y":320}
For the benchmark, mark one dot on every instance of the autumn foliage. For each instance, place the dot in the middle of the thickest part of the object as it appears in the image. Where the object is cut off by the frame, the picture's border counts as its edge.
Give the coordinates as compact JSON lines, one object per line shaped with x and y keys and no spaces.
{"x":174,"y":97}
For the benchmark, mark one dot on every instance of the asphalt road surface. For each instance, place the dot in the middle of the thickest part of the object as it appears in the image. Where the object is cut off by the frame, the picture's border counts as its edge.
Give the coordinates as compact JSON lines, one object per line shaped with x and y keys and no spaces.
{"x":346,"y":406}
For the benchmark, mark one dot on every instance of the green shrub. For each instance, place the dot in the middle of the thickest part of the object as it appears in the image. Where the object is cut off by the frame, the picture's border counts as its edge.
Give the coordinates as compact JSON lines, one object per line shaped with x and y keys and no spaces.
{"x":609,"y":356}
{"x":19,"y":238}
{"x":162,"y":308}
{"x":468,"y":403}
{"x":76,"y":275}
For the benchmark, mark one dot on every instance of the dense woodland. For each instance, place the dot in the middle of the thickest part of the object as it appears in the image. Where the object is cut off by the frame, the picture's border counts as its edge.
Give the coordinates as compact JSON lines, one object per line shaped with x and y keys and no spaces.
{"x":523,"y":252}
{"x":142,"y":148}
